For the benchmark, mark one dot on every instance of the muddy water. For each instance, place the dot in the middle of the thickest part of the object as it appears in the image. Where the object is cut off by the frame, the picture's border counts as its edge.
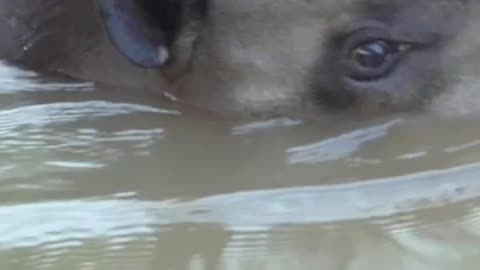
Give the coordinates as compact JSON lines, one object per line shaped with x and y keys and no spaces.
{"x":93,"y":177}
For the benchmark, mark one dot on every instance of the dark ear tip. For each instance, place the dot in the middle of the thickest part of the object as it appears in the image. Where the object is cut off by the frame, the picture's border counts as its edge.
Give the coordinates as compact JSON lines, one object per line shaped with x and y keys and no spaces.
{"x":154,"y":61}
{"x":128,"y":31}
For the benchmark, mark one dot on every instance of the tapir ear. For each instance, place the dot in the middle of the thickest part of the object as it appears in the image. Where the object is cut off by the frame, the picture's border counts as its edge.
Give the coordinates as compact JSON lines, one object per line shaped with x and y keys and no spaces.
{"x":142,"y":30}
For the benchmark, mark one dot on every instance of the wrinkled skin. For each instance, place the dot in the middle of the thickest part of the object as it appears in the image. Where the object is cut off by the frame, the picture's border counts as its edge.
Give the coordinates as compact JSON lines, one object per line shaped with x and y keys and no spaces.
{"x":252,"y":57}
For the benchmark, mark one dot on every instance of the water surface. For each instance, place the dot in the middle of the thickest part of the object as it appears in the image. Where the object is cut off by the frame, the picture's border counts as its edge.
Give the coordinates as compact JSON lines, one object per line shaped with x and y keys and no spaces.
{"x":96,"y":177}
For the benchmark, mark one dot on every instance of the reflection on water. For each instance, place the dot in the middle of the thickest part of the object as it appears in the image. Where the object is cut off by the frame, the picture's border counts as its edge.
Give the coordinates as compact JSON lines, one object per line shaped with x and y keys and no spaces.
{"x":93,"y":177}
{"x":338,"y":147}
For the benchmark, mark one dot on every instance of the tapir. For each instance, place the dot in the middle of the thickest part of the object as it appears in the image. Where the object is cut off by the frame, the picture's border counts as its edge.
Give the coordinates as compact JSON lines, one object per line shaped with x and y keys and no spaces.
{"x":251,"y":57}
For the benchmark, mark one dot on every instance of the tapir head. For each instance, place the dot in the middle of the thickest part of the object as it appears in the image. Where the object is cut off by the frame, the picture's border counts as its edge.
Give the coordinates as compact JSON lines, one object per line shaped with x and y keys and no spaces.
{"x":282,"y":55}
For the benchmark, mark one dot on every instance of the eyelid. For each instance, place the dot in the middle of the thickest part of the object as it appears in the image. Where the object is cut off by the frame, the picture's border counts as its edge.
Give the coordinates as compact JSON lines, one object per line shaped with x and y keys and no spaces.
{"x":361,"y":36}
{"x":419,"y":38}
{"x":392,"y":33}
{"x":357,"y":26}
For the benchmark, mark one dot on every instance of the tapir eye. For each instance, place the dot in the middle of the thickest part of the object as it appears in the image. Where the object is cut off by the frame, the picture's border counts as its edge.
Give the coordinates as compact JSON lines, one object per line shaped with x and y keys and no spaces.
{"x":374,"y":54}
{"x":371,"y":55}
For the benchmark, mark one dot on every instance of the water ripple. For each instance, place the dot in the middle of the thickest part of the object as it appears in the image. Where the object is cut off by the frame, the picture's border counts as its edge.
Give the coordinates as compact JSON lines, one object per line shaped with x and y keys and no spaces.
{"x":115,"y":217}
{"x":63,"y":112}
{"x":15,"y":80}
{"x":339,"y":147}
{"x":264,"y":125}
{"x":37,"y":135}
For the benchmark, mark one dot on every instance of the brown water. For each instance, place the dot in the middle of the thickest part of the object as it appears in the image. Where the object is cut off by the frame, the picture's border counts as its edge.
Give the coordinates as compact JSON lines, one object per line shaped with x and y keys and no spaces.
{"x":99,"y":178}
